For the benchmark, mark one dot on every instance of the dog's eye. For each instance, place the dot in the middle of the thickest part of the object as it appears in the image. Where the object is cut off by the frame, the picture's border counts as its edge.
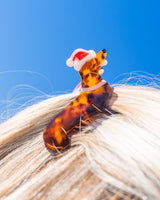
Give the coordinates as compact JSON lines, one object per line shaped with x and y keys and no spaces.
{"x":86,"y":76}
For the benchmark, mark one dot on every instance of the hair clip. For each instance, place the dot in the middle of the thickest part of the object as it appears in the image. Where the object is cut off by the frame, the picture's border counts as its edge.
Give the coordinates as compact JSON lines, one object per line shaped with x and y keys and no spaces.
{"x":94,"y":97}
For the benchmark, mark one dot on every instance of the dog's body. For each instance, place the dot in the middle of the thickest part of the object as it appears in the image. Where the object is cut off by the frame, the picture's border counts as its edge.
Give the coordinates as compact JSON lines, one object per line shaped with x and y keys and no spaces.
{"x":93,"y":99}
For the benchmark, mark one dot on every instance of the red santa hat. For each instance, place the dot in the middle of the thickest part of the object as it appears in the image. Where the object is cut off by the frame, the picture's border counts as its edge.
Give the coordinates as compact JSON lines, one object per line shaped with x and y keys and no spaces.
{"x":79,"y":57}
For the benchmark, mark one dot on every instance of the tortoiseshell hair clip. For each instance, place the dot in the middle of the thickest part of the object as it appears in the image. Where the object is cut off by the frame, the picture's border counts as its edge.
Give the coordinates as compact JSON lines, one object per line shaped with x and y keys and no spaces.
{"x":94,"y":97}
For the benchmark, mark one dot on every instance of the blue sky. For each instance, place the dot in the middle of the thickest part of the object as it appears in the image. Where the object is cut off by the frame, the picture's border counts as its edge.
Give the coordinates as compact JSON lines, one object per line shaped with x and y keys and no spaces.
{"x":37,"y":36}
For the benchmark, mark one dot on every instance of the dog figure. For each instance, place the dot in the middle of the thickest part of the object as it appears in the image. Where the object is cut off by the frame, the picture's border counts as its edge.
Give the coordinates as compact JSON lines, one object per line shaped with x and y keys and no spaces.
{"x":94,"y":98}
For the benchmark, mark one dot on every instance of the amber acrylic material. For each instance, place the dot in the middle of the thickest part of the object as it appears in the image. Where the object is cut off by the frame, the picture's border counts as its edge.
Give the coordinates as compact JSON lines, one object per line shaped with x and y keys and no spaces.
{"x":58,"y":133}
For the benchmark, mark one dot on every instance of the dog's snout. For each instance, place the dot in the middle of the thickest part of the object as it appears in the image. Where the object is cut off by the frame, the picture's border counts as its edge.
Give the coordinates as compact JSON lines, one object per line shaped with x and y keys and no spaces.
{"x":104,"y":50}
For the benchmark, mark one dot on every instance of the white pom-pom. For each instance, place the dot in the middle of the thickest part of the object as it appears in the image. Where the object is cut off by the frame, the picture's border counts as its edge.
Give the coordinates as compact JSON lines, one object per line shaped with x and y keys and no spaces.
{"x":69,"y":62}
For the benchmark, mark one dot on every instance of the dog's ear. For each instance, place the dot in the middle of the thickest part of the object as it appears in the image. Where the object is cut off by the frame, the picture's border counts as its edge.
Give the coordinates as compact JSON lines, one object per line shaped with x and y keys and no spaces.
{"x":100,"y":57}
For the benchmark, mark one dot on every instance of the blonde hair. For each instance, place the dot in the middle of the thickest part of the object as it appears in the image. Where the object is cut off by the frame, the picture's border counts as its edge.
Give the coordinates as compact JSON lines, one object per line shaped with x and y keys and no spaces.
{"x":114,"y":157}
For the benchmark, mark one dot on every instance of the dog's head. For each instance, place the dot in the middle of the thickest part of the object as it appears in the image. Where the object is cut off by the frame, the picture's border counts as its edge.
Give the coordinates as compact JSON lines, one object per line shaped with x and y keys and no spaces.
{"x":91,"y":70}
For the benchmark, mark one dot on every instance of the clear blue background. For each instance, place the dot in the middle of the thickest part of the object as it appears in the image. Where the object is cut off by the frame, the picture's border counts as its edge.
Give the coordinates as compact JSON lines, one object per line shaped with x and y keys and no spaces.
{"x":37,"y":36}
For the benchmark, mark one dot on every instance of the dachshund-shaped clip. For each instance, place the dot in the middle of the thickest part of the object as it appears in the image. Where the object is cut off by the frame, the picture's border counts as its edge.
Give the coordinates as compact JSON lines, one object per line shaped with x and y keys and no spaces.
{"x":93,"y":99}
